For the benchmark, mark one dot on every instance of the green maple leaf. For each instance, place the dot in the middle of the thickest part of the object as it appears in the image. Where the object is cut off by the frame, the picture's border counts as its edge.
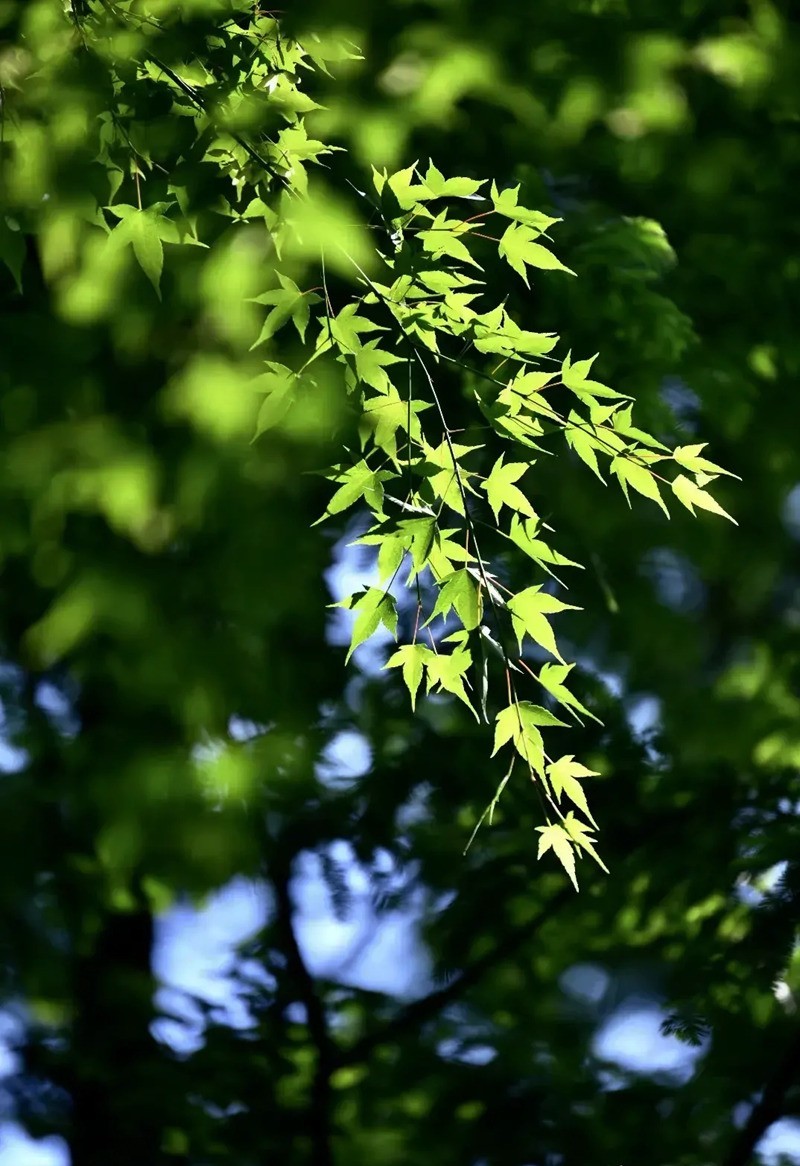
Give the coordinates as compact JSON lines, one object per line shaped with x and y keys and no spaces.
{"x":441,"y":187}
{"x":520,"y":723}
{"x":407,"y":192}
{"x":145,"y":231}
{"x":630,"y":473}
{"x":278,"y":385}
{"x":288,"y":303}
{"x":565,"y":778}
{"x":371,"y":363}
{"x":552,"y":677}
{"x":446,"y":475}
{"x":447,"y":672}
{"x":441,"y":239}
{"x":530,"y":384}
{"x":688,"y":456}
{"x":460,"y":592}
{"x":421,"y":534}
{"x":443,"y":282}
{"x":691,"y":495}
{"x":372,"y":608}
{"x":384,"y":415}
{"x":505,"y":203}
{"x":523,"y":532}
{"x":622,"y":422}
{"x":574,"y":376}
{"x":412,"y":658}
{"x":529,"y":610}
{"x":358,"y":481}
{"x":556,"y":838}
{"x":391,"y":551}
{"x":501,"y":491}
{"x":580,"y":437}
{"x":579,"y":833}
{"x":414,"y":535}
{"x":345,"y":329}
{"x":519,"y":248}
{"x":508,"y":339}
{"x":444,"y":553}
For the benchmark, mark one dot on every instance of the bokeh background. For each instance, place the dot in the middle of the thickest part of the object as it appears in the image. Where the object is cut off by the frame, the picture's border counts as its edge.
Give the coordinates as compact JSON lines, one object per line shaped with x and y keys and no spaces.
{"x":236,"y":921}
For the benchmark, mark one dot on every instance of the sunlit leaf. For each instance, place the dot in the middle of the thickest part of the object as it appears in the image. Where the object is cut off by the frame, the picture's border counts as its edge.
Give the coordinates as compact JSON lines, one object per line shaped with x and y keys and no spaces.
{"x":555,"y":837}
{"x":690,"y":494}
{"x":630,"y":473}
{"x":565,"y":777}
{"x":447,"y":671}
{"x":355,"y":482}
{"x":501,"y":491}
{"x":519,"y":248}
{"x":412,"y":658}
{"x":459,"y":592}
{"x":373,"y":608}
{"x":529,"y":610}
{"x":520,"y":723}
{"x":552,"y":677}
{"x":580,"y":834}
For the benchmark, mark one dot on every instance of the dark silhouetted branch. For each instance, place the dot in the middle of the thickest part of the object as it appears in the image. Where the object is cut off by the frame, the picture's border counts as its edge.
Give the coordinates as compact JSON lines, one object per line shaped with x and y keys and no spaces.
{"x":420,"y":1011}
{"x":319,"y":1106}
{"x":768,"y":1108}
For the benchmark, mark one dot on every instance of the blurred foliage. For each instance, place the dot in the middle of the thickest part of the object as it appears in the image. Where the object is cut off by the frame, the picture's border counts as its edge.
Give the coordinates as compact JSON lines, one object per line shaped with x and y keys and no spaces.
{"x":162,"y":585}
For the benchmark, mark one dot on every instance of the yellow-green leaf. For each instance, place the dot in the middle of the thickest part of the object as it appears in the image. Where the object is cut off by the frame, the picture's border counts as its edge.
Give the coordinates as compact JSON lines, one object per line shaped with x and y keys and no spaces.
{"x":579,"y":833}
{"x":520,"y":723}
{"x":556,"y":838}
{"x":565,"y":778}
{"x":372,"y":608}
{"x":412,"y":658}
{"x":630,"y":473}
{"x":529,"y":609}
{"x":690,"y":494}
{"x":501,"y":491}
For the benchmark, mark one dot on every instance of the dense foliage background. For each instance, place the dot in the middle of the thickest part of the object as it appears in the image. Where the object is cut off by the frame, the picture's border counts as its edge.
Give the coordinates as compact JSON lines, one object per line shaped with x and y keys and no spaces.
{"x":172,"y":681}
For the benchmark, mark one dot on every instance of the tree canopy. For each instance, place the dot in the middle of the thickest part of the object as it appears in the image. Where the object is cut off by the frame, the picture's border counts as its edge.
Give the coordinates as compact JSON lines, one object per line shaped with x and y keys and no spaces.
{"x":486,"y":311}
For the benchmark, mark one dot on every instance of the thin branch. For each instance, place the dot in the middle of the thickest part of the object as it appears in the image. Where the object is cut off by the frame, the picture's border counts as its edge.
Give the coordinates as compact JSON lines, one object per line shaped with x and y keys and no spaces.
{"x":769,"y":1107}
{"x":409,"y":1019}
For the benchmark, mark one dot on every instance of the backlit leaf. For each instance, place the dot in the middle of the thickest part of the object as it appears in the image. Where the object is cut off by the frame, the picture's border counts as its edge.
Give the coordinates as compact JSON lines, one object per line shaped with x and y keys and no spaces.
{"x":279,"y":386}
{"x":441,"y":187}
{"x":355,"y":482}
{"x":565,"y":778}
{"x":373,"y":608}
{"x":556,"y":838}
{"x":689,"y":457}
{"x":691,"y":495}
{"x":446,"y":671}
{"x":518,"y":247}
{"x":529,"y":610}
{"x":501,"y":491}
{"x":552,"y":677}
{"x":580,"y":834}
{"x":505,"y":203}
{"x":630,"y":473}
{"x":459,"y":592}
{"x":412,"y":659}
{"x":581,"y":437}
{"x":520,"y":723}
